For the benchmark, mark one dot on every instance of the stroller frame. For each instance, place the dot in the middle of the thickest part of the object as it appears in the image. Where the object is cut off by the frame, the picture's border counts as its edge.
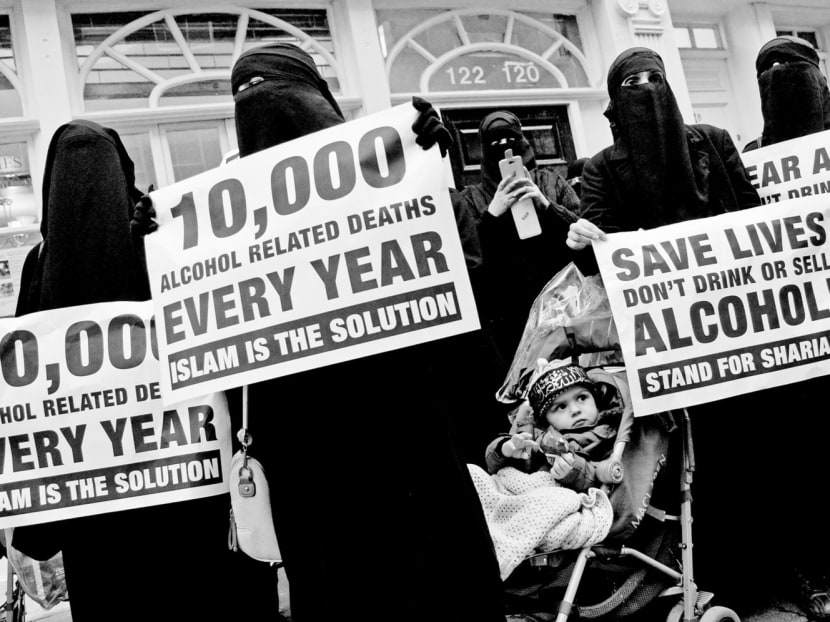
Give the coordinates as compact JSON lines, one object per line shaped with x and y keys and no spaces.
{"x":694,"y":606}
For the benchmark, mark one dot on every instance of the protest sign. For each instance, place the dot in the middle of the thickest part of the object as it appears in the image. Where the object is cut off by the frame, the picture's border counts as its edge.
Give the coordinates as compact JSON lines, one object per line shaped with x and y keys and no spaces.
{"x":791,"y":169}
{"x":337,"y":245}
{"x":82,"y":427}
{"x":721,"y":306}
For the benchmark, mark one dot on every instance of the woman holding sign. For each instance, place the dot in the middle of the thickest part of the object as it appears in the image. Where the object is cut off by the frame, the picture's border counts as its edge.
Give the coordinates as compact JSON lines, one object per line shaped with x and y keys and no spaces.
{"x":165,"y":562}
{"x":374,"y":512}
{"x":373,"y":509}
{"x":795,"y":102}
{"x":662,"y":171}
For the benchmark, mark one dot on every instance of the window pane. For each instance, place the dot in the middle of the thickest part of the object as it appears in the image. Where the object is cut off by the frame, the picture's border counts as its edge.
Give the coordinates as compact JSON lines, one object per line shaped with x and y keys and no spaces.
{"x":194,"y":151}
{"x":10,"y":104}
{"x":705,"y":38}
{"x":681,"y":35}
{"x":808,"y":35}
{"x":138,"y":147}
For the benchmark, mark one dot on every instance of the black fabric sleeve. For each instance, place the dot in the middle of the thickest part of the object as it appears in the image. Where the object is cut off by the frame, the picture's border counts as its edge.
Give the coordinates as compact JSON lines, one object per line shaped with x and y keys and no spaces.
{"x":597,"y":203}
{"x":745,"y":192}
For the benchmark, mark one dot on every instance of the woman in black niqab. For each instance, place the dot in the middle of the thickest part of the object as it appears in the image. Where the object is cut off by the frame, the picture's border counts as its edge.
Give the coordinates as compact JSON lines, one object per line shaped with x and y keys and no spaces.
{"x":510,"y":263}
{"x":659,"y":170}
{"x":668,"y":187}
{"x":87,"y":254}
{"x":795,"y":100}
{"x":168,"y":562}
{"x":375,"y":513}
{"x":278,"y":96}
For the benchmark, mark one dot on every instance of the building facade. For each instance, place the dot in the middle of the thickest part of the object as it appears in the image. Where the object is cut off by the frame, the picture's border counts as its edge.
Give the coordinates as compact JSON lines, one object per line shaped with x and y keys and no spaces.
{"x":159,"y":72}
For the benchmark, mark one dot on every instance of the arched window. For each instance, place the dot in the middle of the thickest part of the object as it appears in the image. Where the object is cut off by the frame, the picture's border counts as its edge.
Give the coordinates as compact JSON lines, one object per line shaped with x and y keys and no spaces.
{"x":476,"y":49}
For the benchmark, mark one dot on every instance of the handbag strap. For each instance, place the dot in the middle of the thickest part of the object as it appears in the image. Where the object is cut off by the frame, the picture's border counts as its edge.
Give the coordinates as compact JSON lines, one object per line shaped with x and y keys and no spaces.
{"x":243,"y":436}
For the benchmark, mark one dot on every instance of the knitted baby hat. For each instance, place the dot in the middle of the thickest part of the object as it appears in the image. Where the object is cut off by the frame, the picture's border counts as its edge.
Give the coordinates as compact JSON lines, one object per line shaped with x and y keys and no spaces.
{"x":550,"y":383}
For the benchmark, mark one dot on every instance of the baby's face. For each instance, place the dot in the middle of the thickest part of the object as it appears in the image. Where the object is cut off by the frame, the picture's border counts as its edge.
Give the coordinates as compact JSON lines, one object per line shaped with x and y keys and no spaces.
{"x":573,"y":408}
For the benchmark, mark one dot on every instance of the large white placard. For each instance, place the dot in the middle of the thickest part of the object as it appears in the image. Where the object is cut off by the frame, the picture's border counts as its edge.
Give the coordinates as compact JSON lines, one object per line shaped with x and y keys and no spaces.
{"x":82,"y":426}
{"x":335,"y":246}
{"x":791,"y":169}
{"x":722,"y":306}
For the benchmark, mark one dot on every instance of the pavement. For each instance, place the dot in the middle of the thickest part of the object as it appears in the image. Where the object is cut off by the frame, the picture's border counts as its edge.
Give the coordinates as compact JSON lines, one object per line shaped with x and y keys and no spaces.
{"x":773,"y":609}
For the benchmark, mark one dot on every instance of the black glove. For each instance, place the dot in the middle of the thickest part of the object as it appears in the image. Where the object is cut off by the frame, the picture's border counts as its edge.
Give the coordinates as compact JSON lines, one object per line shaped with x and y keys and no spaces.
{"x":428,"y":127}
{"x":144,"y":213}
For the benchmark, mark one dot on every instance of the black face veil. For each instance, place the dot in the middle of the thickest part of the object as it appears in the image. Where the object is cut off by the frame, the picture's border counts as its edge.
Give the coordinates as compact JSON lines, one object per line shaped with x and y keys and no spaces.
{"x":795,"y":100}
{"x":649,"y":127}
{"x":279,"y":95}
{"x":89,"y":194}
{"x":504,"y":129}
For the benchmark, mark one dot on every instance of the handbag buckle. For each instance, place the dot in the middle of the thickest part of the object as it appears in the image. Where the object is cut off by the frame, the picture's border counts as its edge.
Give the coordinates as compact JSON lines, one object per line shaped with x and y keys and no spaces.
{"x":247,"y":487}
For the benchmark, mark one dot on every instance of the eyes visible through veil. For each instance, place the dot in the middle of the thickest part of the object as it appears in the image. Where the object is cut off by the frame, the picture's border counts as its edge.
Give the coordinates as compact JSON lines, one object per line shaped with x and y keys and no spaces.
{"x":644,"y":77}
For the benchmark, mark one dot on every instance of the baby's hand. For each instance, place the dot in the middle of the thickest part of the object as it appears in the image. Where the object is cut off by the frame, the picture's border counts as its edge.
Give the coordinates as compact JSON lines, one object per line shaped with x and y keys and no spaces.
{"x":561,"y":465}
{"x":519,"y":446}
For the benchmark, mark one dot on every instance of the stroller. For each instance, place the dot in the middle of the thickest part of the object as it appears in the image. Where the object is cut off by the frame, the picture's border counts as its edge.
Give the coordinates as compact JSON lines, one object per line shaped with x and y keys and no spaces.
{"x":644,"y":567}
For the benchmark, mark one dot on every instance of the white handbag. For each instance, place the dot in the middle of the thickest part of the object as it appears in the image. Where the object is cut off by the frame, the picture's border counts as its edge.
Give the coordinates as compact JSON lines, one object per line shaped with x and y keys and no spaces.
{"x":252,"y":525}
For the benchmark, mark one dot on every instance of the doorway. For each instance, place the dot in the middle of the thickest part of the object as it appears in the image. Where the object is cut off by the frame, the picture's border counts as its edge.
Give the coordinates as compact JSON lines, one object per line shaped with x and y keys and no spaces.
{"x":545,"y":127}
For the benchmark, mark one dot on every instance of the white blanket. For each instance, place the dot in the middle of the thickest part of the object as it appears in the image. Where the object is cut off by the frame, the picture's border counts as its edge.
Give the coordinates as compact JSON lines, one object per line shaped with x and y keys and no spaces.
{"x":531,"y":512}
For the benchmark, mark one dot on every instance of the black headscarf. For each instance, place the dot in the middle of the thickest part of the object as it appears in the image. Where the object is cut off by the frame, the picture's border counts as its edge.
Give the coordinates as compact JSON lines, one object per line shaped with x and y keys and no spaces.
{"x":795,"y":100}
{"x":493,"y":127}
{"x":650,"y":129}
{"x":279,"y":95}
{"x":88,"y":254}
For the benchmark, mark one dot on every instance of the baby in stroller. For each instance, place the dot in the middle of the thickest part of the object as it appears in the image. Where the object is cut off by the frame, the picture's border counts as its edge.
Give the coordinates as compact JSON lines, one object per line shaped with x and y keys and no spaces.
{"x":569,"y":426}
{"x":575,"y":423}
{"x":578,"y":424}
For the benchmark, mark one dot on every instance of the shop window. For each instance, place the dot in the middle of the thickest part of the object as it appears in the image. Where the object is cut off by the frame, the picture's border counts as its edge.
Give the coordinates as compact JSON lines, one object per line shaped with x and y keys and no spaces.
{"x":468,"y":50}
{"x":19,"y":212}
{"x":18,"y":204}
{"x":181,"y":57}
{"x":698,"y":37}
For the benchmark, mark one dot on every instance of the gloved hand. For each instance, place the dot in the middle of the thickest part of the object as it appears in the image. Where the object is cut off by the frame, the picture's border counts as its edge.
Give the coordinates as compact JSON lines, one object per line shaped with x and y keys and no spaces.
{"x":428,"y":127}
{"x":144,"y":214}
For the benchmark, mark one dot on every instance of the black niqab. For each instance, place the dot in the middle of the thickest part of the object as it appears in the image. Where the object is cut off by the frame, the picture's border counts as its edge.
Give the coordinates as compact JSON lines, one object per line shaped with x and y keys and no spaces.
{"x":649,"y":128}
{"x":88,"y":254}
{"x":495,"y":127}
{"x":279,"y":95}
{"x":795,"y":100}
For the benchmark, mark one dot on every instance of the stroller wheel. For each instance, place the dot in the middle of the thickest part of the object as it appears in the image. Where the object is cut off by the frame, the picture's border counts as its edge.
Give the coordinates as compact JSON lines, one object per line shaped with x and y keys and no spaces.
{"x":712,"y":614}
{"x":719,"y":614}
